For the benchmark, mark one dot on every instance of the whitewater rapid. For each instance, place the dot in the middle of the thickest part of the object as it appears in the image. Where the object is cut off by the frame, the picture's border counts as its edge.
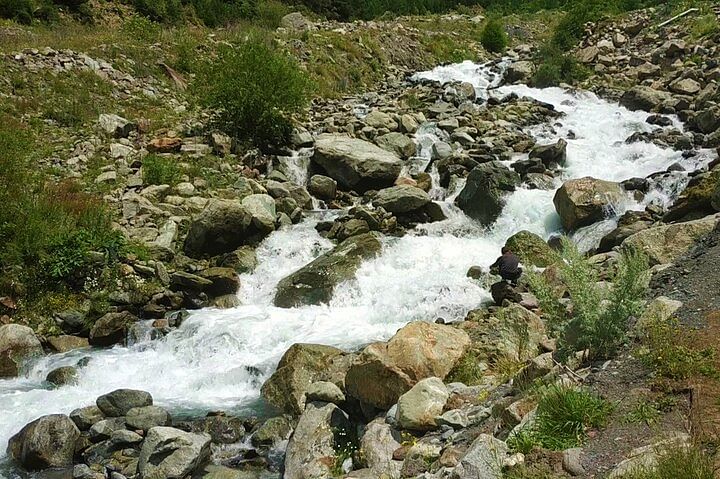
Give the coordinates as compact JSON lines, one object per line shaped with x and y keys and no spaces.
{"x":218,"y":359}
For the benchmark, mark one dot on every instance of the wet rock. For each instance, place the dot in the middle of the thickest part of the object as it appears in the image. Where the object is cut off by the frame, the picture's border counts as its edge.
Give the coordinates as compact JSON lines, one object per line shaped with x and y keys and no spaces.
{"x":551,"y":155}
{"x":44,"y":443}
{"x":397,"y":143}
{"x":401,"y":199}
{"x":584,"y":201}
{"x":325,"y":391}
{"x":630,"y":223}
{"x":273,"y":431}
{"x":18,"y":344}
{"x":242,"y":260}
{"x":85,"y":417}
{"x":171,"y":453}
{"x":65,"y":343}
{"x":111,"y":329}
{"x":385,"y":371}
{"x":644,"y":98}
{"x":62,"y":376}
{"x":120,"y":401}
{"x":221,"y":428}
{"x":147,"y":417}
{"x":223,"y":281}
{"x":378,"y":444}
{"x":315,"y":283}
{"x":356,"y":164}
{"x":418,"y":408}
{"x":322,"y":187}
{"x":483,"y":196}
{"x":519,"y":72}
{"x":441,"y":150}
{"x":116,"y":126}
{"x":311,"y":449}
{"x":103,"y":430}
{"x":531,"y":249}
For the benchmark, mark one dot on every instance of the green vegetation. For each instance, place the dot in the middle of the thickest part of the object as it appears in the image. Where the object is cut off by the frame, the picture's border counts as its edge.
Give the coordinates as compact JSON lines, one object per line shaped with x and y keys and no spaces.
{"x":467,"y":371}
{"x":160,"y":170}
{"x":564,"y":414}
{"x":493,"y":36}
{"x":255,"y":89}
{"x":346,"y":445}
{"x":25,"y":11}
{"x":685,"y":462}
{"x":643,"y":412}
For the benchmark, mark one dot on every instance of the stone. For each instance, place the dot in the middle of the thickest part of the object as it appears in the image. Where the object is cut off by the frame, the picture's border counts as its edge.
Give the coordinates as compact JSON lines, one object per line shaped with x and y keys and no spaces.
{"x":85,"y":417}
{"x":441,"y":150}
{"x":666,"y":243}
{"x":222,"y":429}
{"x":322,"y":187}
{"x":261,"y":209}
{"x":482,"y":198}
{"x":300,"y":367}
{"x":171,"y":453}
{"x":418,"y":408}
{"x":502,"y":291}
{"x":301,"y":138}
{"x":584,"y":201}
{"x":572,"y":461}
{"x":378,"y":119}
{"x":708,"y":120}
{"x":401,"y":199}
{"x":111,"y":328}
{"x":65,"y":343}
{"x":224,"y":281}
{"x":397,"y":143}
{"x":45,"y":443}
{"x":18,"y":344}
{"x":644,"y":98}
{"x":552,"y":155}
{"x":311,"y":449}
{"x":531,"y":249}
{"x":242,"y":260}
{"x":685,"y":86}
{"x":103,"y":430}
{"x":356,"y":164}
{"x":538,"y":367}
{"x":409,"y":124}
{"x":116,"y":126}
{"x":646,"y":457}
{"x":123,"y":438}
{"x":107,"y":177}
{"x":120,"y":401}
{"x":385,"y":371}
{"x":296,"y":21}
{"x":62,"y":376}
{"x":378,"y":443}
{"x":484,"y":459}
{"x":325,"y":391}
{"x":520,"y":72}
{"x":222,"y":144}
{"x":315,"y":282}
{"x":588,"y":54}
{"x":273,"y":431}
{"x":145,"y":418}
{"x":164,"y":145}
{"x":188,"y":282}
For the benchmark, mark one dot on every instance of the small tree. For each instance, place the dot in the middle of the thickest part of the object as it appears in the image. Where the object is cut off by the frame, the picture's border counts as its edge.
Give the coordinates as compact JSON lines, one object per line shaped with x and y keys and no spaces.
{"x":493,"y":37}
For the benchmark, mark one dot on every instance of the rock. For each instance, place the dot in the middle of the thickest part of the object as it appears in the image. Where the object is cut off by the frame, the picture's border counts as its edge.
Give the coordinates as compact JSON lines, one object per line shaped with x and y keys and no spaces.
{"x":311,"y":449}
{"x":441,"y":150}
{"x":644,"y":98}
{"x":171,"y":453}
{"x":120,"y":401}
{"x":147,"y":417}
{"x":222,"y":145}
{"x":242,"y":260}
{"x":419,"y":457}
{"x":111,"y":329}
{"x":164,"y":145}
{"x":301,"y":138}
{"x":538,"y":367}
{"x":484,"y":459}
{"x":107,"y":177}
{"x":356,"y":164}
{"x":45,"y":443}
{"x":584,"y":201}
{"x":418,"y":408}
{"x":665,"y":244}
{"x":646,"y":457}
{"x":295,"y":21}
{"x":103,"y":430}
{"x":401,"y":199}
{"x":482,"y":198}
{"x":630,"y":223}
{"x":520,"y":72}
{"x":531,"y":249}
{"x":273,"y":431}
{"x":85,"y":417}
{"x":18,"y":344}
{"x":315,"y":283}
{"x":65,"y":343}
{"x":62,"y":376}
{"x":224,"y":281}
{"x":325,"y":391}
{"x":572,"y":462}
{"x":708,"y":120}
{"x":123,"y":438}
{"x":116,"y":126}
{"x":188,"y":282}
{"x":648,"y":70}
{"x":322,"y":187}
{"x":378,"y":444}
{"x":385,"y":371}
{"x":378,"y":119}
{"x":222,"y":429}
{"x":685,"y":86}
{"x":588,"y":54}
{"x":502,"y":291}
{"x":225,"y":225}
{"x":409,"y":124}
{"x":300,"y":367}
{"x":397,"y":143}
{"x":552,"y":155}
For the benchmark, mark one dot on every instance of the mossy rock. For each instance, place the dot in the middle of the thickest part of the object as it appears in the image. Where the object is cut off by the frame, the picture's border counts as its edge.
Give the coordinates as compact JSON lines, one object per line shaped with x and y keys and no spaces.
{"x":531,"y":249}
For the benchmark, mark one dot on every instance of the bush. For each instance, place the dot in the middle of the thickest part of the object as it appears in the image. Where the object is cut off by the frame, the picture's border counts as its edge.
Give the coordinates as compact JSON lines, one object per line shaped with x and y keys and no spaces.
{"x":160,"y":170}
{"x":493,"y":37}
{"x":19,"y":10}
{"x":556,"y":67}
{"x":255,"y":90}
{"x":167,"y":11}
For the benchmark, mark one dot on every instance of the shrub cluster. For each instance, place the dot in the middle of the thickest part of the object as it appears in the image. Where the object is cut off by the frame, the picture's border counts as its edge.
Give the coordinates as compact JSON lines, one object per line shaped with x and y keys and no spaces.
{"x":493,"y":37}
{"x":25,"y":11}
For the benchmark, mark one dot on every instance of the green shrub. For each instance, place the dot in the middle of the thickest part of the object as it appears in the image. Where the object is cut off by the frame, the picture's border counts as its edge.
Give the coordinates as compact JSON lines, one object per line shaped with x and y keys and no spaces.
{"x":555,"y":67}
{"x":467,"y":370}
{"x":493,"y":37}
{"x":706,"y":26}
{"x":270,"y":12}
{"x":677,"y":462}
{"x":166,"y":11}
{"x":18,"y":10}
{"x":141,"y":28}
{"x":160,"y":170}
{"x":255,"y":90}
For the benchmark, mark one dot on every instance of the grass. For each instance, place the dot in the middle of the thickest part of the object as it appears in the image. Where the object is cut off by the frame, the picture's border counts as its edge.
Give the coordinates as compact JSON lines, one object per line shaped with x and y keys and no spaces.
{"x":466,"y":371}
{"x":160,"y":170}
{"x":643,"y":413}
{"x":678,"y":462}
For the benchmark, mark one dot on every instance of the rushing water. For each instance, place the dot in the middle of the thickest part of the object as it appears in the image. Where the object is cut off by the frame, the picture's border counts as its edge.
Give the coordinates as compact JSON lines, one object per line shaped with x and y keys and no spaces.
{"x":218,"y":359}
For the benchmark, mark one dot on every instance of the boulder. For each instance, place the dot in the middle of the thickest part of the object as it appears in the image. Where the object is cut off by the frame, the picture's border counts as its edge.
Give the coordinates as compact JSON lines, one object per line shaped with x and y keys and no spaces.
{"x":397,"y":143}
{"x":484,"y":459}
{"x":322,"y":187}
{"x":708,"y":120}
{"x":385,"y":371}
{"x":296,"y":22}
{"x":18,"y":344}
{"x":65,"y":343}
{"x":224,"y":281}
{"x":103,"y":430}
{"x":116,"y":126}
{"x":120,"y":401}
{"x":502,"y":291}
{"x":85,"y":417}
{"x":401,"y":199}
{"x":629,"y":223}
{"x":531,"y":249}
{"x":170,"y":453}
{"x":300,"y":367}
{"x":315,"y":283}
{"x":112,"y":328}
{"x":325,"y":391}
{"x":685,"y":86}
{"x":584,"y":201}
{"x":45,"y":443}
{"x":665,"y":244}
{"x":311,"y":449}
{"x":378,"y":444}
{"x":552,"y":155}
{"x":519,"y":72}
{"x":145,"y":418}
{"x":482,"y":198}
{"x":164,"y":145}
{"x":378,"y":119}
{"x":225,"y":225}
{"x":62,"y":376}
{"x":644,"y":98}
{"x":242,"y":260}
{"x":272,"y":431}
{"x":418,"y":408}
{"x":356,"y":164}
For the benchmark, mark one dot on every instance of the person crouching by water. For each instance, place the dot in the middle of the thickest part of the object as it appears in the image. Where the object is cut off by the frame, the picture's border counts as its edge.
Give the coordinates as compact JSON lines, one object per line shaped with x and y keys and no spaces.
{"x":508,"y":266}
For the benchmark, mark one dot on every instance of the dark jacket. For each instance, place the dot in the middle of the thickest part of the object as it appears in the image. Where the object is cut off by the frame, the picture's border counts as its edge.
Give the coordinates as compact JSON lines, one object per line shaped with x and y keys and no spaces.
{"x":507,"y":265}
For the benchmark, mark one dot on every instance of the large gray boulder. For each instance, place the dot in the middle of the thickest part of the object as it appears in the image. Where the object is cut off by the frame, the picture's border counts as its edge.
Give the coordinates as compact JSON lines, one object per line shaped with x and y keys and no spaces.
{"x":397,"y":143}
{"x":483,"y":196}
{"x":584,"y":201}
{"x":169,"y":453}
{"x":315,"y":283}
{"x":146,"y":417}
{"x":311,"y":449}
{"x":644,"y":98}
{"x":356,"y":164}
{"x":121,"y":401}
{"x":112,"y":328}
{"x":401,"y":199}
{"x":225,"y":225}
{"x":85,"y":417}
{"x":378,"y":444}
{"x":418,"y":408}
{"x":554,"y":154}
{"x":18,"y":344}
{"x":44,"y":443}
{"x":484,"y":459}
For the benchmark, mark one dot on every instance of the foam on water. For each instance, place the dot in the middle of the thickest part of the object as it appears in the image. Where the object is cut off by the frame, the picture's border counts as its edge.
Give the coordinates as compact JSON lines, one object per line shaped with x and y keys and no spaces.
{"x":218,"y":359}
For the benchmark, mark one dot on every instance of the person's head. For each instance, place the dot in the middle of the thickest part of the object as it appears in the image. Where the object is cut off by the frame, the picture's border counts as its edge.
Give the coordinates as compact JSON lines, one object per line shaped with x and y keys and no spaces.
{"x":505,"y":250}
